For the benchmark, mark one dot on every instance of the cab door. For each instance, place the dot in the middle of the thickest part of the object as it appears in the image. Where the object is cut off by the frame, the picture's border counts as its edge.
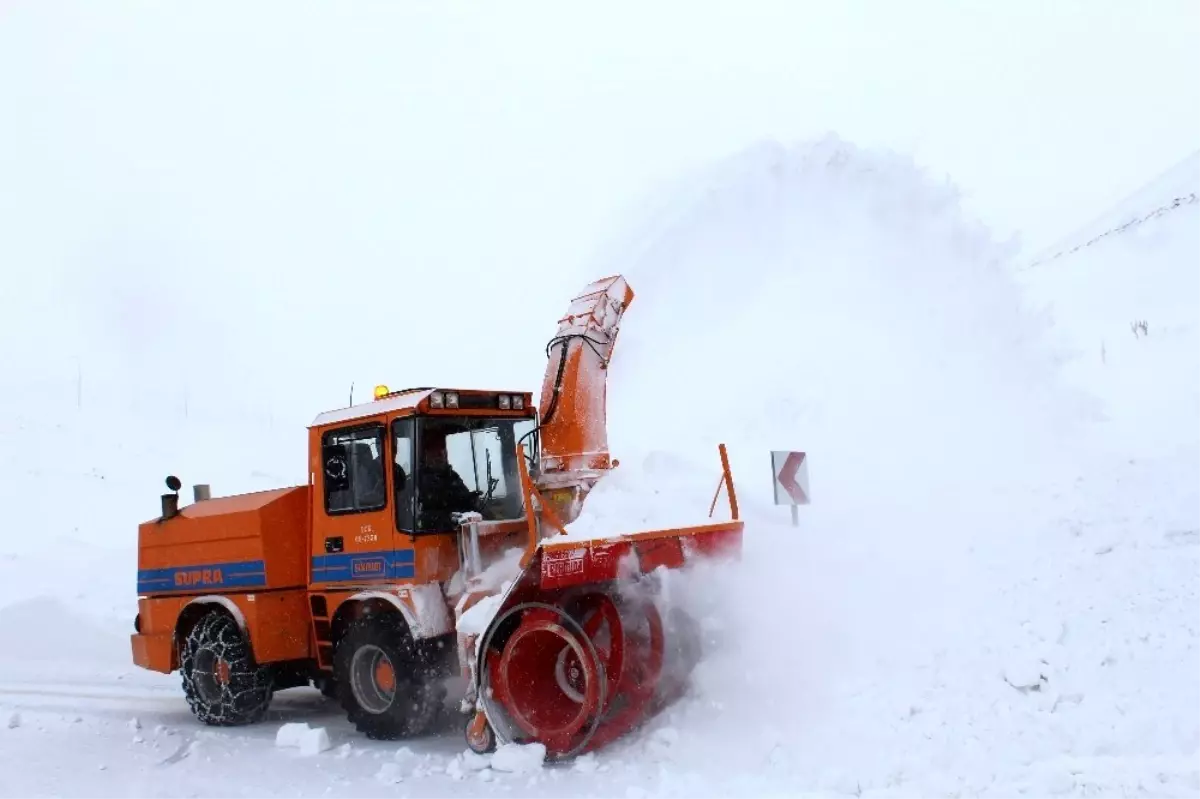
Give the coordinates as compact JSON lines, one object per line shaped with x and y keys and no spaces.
{"x":353,"y":526}
{"x":401,"y":443}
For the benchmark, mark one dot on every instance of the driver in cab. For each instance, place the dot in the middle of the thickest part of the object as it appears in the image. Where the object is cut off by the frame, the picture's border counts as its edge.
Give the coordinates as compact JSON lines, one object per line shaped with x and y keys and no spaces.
{"x":441,"y":489}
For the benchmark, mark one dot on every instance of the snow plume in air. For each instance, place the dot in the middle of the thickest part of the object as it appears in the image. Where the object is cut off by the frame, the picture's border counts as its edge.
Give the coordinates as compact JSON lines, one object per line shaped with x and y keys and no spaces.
{"x":827,"y":299}
{"x":824,"y":298}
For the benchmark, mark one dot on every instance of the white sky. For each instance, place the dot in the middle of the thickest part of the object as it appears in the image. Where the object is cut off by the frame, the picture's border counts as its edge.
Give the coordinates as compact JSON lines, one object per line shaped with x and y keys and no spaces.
{"x":317,"y":193}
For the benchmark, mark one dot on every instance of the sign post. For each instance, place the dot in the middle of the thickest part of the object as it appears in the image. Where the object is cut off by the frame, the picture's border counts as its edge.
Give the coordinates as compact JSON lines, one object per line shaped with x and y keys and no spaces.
{"x":789,"y":477}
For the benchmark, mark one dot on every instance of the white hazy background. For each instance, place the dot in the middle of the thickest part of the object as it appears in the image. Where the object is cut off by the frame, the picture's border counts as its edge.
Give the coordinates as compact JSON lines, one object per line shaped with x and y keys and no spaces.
{"x":241,"y":209}
{"x":216,"y":217}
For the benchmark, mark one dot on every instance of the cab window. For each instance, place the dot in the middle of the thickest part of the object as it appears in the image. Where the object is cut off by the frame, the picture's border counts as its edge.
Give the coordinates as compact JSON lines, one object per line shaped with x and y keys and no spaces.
{"x":469,"y":464}
{"x":352,"y":465}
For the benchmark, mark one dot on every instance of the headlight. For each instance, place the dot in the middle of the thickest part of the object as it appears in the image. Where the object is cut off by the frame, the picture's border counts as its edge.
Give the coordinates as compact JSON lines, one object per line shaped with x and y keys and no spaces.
{"x":518,"y":402}
{"x":435,"y":400}
{"x":451,"y":399}
{"x":504,"y":402}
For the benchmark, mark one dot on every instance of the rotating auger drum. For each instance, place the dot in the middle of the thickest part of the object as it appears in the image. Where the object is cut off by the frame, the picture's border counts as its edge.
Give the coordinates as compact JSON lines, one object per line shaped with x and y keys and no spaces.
{"x":574,"y":662}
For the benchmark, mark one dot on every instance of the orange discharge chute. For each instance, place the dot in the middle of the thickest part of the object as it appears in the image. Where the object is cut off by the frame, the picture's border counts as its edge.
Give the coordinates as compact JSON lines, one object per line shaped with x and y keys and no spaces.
{"x":574,"y":433}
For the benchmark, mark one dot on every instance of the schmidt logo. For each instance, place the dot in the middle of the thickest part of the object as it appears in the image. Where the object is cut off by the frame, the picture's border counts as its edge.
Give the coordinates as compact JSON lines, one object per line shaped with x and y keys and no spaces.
{"x":368,"y":567}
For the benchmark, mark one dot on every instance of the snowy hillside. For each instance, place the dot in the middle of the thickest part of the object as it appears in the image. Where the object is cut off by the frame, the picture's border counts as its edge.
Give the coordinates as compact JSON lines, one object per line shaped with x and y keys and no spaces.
{"x":1136,"y":263}
{"x":993,"y":592}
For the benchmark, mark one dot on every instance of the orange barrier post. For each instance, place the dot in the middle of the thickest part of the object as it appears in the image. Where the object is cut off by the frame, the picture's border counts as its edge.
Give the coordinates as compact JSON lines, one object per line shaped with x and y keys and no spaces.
{"x":733,"y":506}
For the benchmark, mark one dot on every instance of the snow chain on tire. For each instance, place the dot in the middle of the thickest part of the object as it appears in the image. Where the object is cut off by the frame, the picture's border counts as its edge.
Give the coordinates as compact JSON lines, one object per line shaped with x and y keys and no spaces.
{"x":223,"y":685}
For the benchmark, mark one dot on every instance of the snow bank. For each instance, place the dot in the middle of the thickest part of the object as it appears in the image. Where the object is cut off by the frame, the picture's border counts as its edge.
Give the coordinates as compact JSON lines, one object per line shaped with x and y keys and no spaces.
{"x":655,"y":492}
{"x":1135,"y":264}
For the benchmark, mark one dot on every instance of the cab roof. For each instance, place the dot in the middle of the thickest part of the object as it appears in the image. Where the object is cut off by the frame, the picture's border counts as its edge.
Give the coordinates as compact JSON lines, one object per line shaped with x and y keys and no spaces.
{"x":396,"y":401}
{"x":408,"y":400}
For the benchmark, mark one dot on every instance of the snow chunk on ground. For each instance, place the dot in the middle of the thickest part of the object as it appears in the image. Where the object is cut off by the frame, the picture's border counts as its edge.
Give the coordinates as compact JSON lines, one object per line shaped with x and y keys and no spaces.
{"x":585,"y":764}
{"x":389,"y":773}
{"x":519,"y":758}
{"x":309,"y":740}
{"x":14,"y":721}
{"x":466,"y":762}
{"x":289,"y":735}
{"x":315,"y":742}
{"x":473,"y":761}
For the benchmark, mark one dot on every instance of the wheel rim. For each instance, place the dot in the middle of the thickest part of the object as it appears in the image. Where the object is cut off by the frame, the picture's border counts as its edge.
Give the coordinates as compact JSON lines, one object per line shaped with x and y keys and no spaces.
{"x":372,"y":679}
{"x":480,"y":737}
{"x":211,"y":675}
{"x":569,"y":678}
{"x":602,"y":624}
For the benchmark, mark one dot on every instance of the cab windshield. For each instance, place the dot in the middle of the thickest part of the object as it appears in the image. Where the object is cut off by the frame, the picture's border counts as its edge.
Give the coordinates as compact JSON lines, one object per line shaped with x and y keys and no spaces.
{"x":468,"y":464}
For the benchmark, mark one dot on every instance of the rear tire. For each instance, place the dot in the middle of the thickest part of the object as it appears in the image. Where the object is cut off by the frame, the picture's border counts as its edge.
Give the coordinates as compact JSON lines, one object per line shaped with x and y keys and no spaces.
{"x":385,"y":687}
{"x":223,"y":685}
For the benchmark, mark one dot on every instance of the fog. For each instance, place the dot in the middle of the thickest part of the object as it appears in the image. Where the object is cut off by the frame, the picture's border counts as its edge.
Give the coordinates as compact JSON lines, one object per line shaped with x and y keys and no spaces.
{"x":257,"y":206}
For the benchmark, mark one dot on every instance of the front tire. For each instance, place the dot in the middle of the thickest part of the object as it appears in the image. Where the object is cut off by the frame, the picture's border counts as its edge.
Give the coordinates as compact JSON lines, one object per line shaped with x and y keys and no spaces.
{"x":386,"y":689}
{"x":223,"y":685}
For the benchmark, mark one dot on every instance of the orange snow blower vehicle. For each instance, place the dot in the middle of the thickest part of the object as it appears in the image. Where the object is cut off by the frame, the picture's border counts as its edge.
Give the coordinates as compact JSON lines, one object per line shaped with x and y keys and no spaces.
{"x":433,"y":540}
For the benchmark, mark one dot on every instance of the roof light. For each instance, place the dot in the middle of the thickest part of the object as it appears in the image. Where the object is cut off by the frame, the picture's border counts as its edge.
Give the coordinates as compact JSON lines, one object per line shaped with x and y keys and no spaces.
{"x":451,"y":399}
{"x":518,"y":402}
{"x":381,"y":391}
{"x":504,"y":402}
{"x":436,"y":400}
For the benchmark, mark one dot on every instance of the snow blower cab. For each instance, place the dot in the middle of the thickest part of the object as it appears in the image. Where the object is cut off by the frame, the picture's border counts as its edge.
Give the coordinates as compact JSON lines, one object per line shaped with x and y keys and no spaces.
{"x":446,"y":452}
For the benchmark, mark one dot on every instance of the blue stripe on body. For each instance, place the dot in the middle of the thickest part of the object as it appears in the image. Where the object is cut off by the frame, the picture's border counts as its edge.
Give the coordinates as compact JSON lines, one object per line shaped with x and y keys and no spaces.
{"x":344,"y":567}
{"x":202,"y":577}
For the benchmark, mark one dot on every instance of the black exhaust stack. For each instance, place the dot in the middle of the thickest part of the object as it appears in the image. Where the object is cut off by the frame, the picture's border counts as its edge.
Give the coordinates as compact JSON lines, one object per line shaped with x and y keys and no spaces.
{"x":170,"y":502}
